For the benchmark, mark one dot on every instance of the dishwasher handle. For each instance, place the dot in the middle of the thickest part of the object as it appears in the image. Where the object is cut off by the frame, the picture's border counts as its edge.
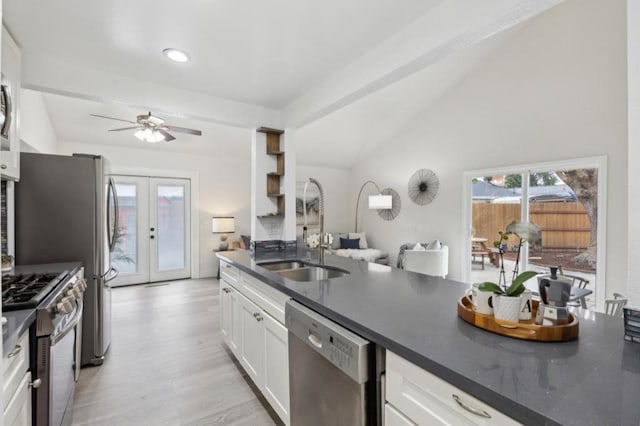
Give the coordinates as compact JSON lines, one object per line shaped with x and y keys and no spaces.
{"x":315,"y":340}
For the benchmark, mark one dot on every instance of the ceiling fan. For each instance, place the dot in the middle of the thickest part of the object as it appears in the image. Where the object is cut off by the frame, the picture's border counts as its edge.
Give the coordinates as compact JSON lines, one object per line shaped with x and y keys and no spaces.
{"x":151,"y":128}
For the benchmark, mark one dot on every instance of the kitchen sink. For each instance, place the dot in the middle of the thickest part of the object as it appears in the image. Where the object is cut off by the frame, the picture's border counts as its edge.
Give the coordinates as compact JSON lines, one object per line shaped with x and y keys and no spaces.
{"x":279,"y":266}
{"x":297,"y":270}
{"x":312,"y":273}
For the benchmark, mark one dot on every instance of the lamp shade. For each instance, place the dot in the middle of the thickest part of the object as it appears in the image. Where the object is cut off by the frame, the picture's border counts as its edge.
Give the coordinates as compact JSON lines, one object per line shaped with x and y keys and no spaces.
{"x":380,"y":202}
{"x":223,"y":225}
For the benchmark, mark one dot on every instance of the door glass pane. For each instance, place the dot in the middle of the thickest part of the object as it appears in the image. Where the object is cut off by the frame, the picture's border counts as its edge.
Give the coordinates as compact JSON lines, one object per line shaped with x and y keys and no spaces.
{"x":171,"y":227}
{"x":566,"y":207}
{"x":496,"y":202}
{"x":124,"y":256}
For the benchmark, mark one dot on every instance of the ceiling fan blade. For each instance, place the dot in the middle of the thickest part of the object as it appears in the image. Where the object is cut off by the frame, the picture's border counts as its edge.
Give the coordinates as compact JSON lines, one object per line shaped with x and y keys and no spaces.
{"x":127,"y":128}
{"x":167,"y":136}
{"x":112,"y":118}
{"x":183,"y":130}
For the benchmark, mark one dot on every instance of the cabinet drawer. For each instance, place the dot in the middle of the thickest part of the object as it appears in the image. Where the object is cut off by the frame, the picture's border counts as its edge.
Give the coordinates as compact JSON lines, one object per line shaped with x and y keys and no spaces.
{"x":15,"y":364}
{"x":428,"y":400}
{"x":229,"y":272}
{"x":393,"y":417}
{"x":265,"y":296}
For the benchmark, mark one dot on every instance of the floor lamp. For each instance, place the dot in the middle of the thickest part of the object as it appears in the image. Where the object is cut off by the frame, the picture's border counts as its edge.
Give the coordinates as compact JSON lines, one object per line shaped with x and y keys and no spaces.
{"x":376,"y":202}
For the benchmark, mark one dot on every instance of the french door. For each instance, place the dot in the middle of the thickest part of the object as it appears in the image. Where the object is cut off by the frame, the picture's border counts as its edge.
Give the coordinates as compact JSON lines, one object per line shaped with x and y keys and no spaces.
{"x":154,"y":230}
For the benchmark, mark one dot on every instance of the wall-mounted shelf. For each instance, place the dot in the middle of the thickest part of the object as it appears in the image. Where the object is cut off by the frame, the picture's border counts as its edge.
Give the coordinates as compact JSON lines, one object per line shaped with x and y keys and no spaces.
{"x":270,"y":216}
{"x":274,"y":178}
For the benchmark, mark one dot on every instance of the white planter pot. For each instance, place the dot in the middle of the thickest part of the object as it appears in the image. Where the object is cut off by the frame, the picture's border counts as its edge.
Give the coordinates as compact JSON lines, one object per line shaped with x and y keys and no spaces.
{"x":506,"y":308}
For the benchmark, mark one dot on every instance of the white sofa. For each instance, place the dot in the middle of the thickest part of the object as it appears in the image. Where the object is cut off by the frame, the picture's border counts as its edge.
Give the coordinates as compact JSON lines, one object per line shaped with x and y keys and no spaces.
{"x":368,"y":254}
{"x":430,"y":262}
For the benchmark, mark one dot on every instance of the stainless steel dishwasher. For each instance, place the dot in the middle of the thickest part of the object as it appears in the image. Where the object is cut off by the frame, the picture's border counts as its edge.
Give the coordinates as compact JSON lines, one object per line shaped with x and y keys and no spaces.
{"x":334,"y":374}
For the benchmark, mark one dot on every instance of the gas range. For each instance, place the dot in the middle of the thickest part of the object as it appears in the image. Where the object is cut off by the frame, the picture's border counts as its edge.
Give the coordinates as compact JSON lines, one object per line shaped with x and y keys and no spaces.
{"x":57,"y":298}
{"x":24,"y":291}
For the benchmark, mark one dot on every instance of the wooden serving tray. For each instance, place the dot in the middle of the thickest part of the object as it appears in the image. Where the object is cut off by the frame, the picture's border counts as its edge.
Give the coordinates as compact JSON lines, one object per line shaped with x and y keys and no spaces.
{"x":526,"y":330}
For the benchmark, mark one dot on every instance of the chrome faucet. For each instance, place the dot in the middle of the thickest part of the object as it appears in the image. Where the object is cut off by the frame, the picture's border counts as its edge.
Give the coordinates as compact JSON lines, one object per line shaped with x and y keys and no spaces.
{"x":323,"y":240}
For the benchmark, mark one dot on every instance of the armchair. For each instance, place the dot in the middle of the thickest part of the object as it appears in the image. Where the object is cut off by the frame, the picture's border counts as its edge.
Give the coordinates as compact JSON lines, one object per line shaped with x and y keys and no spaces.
{"x":431,"y":262}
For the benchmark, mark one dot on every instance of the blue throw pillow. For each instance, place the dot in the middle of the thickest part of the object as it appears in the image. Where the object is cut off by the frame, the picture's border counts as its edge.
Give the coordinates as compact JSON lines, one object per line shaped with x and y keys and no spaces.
{"x":346,"y":243}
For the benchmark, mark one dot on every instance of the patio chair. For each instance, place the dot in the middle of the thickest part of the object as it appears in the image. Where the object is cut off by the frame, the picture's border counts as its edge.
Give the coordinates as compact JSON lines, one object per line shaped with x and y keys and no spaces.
{"x":615,"y":306}
{"x":578,"y":282}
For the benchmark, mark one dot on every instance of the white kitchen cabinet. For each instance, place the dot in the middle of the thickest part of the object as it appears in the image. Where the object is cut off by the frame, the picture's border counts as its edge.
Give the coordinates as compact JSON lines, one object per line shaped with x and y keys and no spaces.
{"x":230,"y":316}
{"x":225,"y":311}
{"x":18,"y":408}
{"x":276,"y":366}
{"x":16,"y":382}
{"x":425,"y":399}
{"x":256,"y":337}
{"x":252,"y":336}
{"x":11,"y":65}
{"x":393,"y":417}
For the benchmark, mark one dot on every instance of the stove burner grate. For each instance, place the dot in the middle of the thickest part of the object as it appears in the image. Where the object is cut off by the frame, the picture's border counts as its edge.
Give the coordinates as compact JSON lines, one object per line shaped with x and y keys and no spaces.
{"x":25,"y":290}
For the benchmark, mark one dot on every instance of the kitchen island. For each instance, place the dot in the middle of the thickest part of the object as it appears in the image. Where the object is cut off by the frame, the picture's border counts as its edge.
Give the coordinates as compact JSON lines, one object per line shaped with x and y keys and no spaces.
{"x":594,"y":380}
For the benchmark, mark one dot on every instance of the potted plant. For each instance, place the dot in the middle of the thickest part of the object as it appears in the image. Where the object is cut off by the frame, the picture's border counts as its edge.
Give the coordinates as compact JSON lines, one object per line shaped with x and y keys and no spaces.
{"x":506,"y":303}
{"x":7,"y":262}
{"x":526,"y":232}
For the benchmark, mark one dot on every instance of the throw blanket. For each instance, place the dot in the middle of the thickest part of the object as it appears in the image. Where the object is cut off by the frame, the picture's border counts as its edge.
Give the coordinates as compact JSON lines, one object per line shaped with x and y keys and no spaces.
{"x":370,"y":255}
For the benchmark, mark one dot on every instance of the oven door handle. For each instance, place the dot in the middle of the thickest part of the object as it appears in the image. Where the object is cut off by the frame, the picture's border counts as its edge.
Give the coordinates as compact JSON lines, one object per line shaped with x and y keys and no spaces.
{"x":72,"y":324}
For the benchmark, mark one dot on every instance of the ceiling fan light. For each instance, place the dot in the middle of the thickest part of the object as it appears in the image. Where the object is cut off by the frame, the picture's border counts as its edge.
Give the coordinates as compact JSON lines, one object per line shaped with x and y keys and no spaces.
{"x":176,"y":55}
{"x":148,"y":135}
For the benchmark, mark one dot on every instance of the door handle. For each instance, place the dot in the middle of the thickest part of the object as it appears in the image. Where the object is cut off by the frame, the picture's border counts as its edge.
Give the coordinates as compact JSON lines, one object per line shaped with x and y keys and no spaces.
{"x":15,"y":351}
{"x":111,"y":274}
{"x":476,"y":411}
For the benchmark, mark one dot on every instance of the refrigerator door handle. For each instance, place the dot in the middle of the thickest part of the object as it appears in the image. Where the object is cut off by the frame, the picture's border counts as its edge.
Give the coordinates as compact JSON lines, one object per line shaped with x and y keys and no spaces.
{"x":113,"y":234}
{"x":111,"y":274}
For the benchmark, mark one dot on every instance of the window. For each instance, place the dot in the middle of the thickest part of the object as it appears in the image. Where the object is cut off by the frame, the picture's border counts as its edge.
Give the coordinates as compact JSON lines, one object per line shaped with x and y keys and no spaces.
{"x":566,"y":200}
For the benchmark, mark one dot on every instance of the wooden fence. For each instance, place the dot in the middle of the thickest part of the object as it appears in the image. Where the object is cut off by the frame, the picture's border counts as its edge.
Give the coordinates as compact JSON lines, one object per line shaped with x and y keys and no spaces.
{"x":564,"y":225}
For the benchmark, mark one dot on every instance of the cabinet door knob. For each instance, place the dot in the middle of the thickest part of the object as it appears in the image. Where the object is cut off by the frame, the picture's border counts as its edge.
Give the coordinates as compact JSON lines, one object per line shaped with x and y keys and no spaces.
{"x":152,"y":237}
{"x":472,"y":410}
{"x":258,"y":316}
{"x":35,"y":384}
{"x":4,"y":166}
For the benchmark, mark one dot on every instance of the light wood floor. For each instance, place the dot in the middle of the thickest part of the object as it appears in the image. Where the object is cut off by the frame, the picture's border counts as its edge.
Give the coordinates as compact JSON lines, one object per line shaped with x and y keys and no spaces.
{"x":167,"y":364}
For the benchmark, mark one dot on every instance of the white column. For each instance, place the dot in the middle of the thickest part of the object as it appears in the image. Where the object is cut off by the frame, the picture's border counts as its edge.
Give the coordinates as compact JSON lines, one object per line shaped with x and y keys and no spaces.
{"x":287,"y":142}
{"x":633,"y":79}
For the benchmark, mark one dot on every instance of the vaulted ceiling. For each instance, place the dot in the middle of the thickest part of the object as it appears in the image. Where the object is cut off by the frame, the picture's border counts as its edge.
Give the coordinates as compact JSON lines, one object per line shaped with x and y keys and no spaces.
{"x":365,"y":67}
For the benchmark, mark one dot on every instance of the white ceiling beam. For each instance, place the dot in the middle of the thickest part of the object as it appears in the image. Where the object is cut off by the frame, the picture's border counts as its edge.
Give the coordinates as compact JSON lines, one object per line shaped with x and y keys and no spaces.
{"x":447,"y":28}
{"x":51,"y":75}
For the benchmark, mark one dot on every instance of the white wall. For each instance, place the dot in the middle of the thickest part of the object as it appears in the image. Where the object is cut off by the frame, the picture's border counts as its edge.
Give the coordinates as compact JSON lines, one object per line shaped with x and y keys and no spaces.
{"x":36,"y":129}
{"x":337,"y":196}
{"x":556,"y":90}
{"x":224,"y":185}
{"x":633,"y":49}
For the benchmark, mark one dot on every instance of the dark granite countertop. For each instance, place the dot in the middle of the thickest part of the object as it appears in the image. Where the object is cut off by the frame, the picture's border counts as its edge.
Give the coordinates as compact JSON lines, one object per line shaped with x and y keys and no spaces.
{"x":19,"y":321}
{"x":593,"y":380}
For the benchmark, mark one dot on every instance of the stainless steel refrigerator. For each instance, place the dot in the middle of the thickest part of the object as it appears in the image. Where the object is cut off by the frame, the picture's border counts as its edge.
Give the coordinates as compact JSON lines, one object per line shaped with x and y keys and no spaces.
{"x":66,"y":210}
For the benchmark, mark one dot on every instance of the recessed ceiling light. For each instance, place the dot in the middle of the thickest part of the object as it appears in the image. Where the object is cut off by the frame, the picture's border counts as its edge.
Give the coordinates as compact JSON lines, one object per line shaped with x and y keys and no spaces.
{"x":176,"y":55}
